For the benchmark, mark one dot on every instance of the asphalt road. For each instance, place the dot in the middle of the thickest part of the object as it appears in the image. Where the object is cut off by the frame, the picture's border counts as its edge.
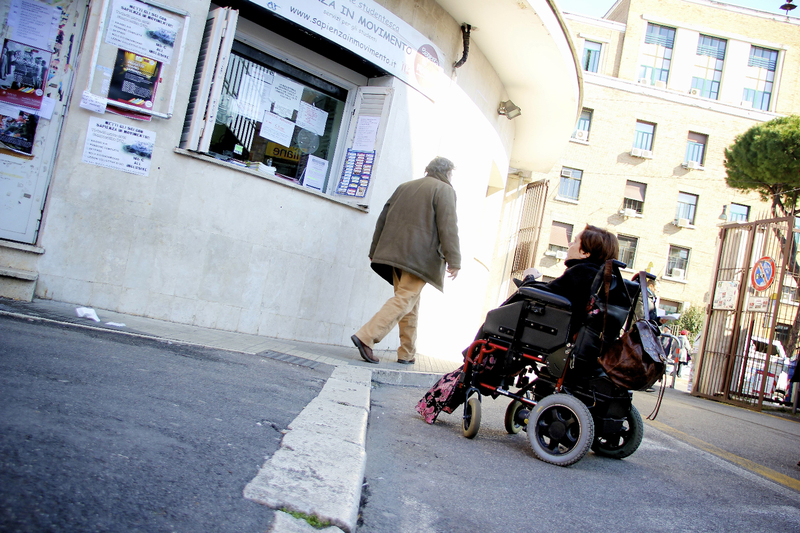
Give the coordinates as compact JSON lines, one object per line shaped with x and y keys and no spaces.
{"x":684,"y":477}
{"x":102,"y":432}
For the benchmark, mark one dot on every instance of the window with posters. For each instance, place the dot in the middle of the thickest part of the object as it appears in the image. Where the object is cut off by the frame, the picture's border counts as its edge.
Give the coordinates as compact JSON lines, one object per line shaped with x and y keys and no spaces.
{"x":285,"y":90}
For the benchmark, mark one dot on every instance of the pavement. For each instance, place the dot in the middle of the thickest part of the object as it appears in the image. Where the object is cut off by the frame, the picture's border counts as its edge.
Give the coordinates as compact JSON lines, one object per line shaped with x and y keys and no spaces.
{"x":319,"y":469}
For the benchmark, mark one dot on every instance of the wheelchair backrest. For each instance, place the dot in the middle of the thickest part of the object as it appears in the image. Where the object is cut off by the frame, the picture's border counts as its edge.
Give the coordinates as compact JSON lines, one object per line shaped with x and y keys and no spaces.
{"x":610,"y":311}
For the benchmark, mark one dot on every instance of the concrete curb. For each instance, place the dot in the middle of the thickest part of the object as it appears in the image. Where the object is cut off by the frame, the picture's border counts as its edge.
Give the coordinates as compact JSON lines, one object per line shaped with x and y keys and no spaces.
{"x":319,"y":468}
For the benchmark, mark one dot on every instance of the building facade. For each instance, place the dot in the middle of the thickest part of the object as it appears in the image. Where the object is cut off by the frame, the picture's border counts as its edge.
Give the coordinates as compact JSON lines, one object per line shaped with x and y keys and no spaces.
{"x":668,"y":86}
{"x":224,"y":164}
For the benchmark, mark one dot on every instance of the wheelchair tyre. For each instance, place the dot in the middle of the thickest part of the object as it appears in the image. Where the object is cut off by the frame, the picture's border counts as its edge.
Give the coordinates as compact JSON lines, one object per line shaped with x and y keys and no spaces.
{"x":511,"y":417}
{"x":560,"y":429}
{"x":472,"y":417}
{"x":624,"y":444}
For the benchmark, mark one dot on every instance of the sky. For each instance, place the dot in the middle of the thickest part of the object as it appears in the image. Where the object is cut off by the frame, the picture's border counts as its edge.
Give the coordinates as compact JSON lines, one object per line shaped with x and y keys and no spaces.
{"x":598,"y":8}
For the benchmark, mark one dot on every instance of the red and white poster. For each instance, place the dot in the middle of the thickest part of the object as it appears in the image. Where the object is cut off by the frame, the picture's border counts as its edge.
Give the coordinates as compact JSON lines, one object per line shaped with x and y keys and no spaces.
{"x":23,"y":74}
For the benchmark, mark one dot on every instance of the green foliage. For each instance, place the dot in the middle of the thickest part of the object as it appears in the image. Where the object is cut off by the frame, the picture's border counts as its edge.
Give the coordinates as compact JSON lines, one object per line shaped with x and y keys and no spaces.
{"x":314,"y":521}
{"x":692,"y":321}
{"x":766,"y":159}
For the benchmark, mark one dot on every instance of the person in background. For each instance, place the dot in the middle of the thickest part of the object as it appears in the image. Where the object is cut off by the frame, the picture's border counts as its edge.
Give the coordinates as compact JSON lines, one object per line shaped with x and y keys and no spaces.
{"x":416,"y":238}
{"x":684,"y":348}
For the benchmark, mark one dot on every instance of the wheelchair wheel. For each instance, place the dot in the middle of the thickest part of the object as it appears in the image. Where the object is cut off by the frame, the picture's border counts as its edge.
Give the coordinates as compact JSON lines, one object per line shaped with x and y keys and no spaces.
{"x":560,"y":429}
{"x":622,"y":445}
{"x":472,"y":417}
{"x":512,"y":424}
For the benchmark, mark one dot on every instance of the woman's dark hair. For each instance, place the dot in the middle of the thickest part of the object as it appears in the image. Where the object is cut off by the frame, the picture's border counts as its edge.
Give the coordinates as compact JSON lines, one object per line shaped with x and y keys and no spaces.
{"x":599,"y":244}
{"x":439,"y":168}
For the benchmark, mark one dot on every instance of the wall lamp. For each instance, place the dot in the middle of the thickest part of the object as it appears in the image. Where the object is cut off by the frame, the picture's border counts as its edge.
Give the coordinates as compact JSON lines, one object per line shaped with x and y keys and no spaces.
{"x":509,"y":109}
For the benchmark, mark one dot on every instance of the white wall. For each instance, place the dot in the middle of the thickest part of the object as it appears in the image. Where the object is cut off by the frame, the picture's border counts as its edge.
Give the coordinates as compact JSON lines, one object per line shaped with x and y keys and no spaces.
{"x":198,"y":243}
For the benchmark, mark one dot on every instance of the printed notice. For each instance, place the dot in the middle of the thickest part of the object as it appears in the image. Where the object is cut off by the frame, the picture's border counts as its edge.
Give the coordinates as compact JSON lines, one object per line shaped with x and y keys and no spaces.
{"x":315,"y":173}
{"x":34,"y":23}
{"x":356,"y":174}
{"x":285,"y":96}
{"x":93,"y":102}
{"x":366,"y":133}
{"x":277,"y":129}
{"x":118,"y":146}
{"x":23,"y":74}
{"x":134,"y":80}
{"x":143,"y":29}
{"x":312,"y":119}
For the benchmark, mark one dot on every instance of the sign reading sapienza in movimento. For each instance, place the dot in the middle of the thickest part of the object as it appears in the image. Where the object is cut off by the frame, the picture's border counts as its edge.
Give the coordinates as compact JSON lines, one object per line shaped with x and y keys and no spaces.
{"x":372,"y":32}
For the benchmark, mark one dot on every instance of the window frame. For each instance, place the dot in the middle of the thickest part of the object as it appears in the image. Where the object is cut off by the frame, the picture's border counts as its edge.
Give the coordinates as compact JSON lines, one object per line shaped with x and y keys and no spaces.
{"x":696,"y":142}
{"x":637,"y":204}
{"x":571,"y":182}
{"x":584,"y":120}
{"x":705,"y":87}
{"x":642,"y":138}
{"x":559,"y":246}
{"x":661,"y":58}
{"x":738,"y":219}
{"x":620,"y":238}
{"x":591,"y":57}
{"x":674,"y":259}
{"x":691,"y":207}
{"x":763,"y":77}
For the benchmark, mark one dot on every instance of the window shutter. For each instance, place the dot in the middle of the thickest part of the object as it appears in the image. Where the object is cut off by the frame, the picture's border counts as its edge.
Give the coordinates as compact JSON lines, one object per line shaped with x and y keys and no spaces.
{"x":370,"y":102}
{"x":561,"y":234}
{"x":207,"y":85}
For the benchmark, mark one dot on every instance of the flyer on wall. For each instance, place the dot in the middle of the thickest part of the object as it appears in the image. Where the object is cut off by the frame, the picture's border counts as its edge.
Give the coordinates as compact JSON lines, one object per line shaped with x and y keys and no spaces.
{"x":23,"y":74}
{"x":18,"y":131}
{"x":144,"y":29}
{"x":134,"y":80}
{"x":118,"y":146}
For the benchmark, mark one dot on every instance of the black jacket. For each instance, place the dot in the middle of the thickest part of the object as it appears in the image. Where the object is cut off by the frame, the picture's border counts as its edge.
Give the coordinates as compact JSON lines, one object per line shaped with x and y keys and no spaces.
{"x":575,"y":284}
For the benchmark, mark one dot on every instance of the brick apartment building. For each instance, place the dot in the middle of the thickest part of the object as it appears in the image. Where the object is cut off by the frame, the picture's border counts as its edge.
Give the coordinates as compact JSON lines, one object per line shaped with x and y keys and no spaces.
{"x":668,"y":85}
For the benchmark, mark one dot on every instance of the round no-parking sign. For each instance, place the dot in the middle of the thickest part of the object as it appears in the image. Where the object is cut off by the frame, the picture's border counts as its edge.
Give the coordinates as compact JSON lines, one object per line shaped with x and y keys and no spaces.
{"x":763,"y":273}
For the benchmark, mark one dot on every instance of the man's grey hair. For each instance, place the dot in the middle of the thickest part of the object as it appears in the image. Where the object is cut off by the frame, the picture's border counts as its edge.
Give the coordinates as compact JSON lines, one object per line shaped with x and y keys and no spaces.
{"x":439,"y":167}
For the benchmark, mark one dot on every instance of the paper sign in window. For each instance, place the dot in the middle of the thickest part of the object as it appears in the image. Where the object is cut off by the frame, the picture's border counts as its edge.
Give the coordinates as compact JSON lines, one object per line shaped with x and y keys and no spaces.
{"x":315,"y":172}
{"x":312,"y":119}
{"x":277,"y":129}
{"x":285,"y":96}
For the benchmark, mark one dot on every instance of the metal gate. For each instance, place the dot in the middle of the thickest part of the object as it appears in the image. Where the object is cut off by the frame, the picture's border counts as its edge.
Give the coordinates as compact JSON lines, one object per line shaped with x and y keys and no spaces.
{"x":752,"y":322}
{"x":530,"y":227}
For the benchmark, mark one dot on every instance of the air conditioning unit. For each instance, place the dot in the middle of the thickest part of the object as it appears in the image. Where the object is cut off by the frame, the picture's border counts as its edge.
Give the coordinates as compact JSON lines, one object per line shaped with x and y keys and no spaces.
{"x":550,"y":253}
{"x":661,"y":84}
{"x":627,"y":213}
{"x":643,"y":81}
{"x":746,"y":103}
{"x":693,"y":165}
{"x":682,"y":223}
{"x":636,"y":152}
{"x":561,"y":255}
{"x":647,"y":154}
{"x":694,"y":92}
{"x":678,"y":273}
{"x":581,"y":135}
{"x":566,"y":172}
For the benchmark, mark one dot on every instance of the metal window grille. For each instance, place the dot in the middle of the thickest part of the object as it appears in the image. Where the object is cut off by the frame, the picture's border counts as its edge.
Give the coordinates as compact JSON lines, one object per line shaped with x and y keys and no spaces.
{"x":530,"y":225}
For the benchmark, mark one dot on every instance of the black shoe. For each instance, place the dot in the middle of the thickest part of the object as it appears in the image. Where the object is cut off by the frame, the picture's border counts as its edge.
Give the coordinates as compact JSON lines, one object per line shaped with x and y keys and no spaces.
{"x":407,"y":362}
{"x":364,"y":350}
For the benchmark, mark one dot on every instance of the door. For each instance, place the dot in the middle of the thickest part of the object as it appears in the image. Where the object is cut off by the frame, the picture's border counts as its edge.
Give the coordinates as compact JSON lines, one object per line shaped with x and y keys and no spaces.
{"x":25,"y":170}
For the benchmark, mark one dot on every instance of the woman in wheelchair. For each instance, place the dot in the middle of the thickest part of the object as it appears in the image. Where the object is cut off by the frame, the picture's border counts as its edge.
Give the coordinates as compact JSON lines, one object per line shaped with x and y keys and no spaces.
{"x":529,"y":343}
{"x":587,"y":253}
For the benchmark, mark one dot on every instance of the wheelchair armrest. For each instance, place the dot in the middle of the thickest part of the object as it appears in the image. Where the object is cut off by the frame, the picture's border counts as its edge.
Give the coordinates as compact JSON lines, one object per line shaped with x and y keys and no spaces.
{"x":544,"y":296}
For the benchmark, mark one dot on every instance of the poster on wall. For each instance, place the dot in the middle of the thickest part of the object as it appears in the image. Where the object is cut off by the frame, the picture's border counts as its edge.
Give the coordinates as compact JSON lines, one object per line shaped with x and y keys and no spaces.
{"x":33,"y":23}
{"x":17,"y":131}
{"x":316,"y":169}
{"x":134,"y":80}
{"x":356,"y":174}
{"x":143,"y":29}
{"x":23,"y":74}
{"x":118,"y":146}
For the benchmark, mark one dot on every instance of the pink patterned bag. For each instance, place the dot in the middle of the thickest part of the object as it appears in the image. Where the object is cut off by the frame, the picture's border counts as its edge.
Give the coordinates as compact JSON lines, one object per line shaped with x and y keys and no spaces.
{"x":445,"y":395}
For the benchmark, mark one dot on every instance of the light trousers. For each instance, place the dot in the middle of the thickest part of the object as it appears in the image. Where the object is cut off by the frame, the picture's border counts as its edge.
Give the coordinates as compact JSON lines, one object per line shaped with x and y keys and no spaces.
{"x":401,"y":309}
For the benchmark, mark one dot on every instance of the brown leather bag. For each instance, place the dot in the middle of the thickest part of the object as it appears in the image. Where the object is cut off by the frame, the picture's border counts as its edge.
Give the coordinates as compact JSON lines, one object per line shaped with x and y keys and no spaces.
{"x":636,"y":360}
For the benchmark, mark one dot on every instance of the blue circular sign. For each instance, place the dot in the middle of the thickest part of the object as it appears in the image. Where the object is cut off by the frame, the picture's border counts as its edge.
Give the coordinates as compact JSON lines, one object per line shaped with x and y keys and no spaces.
{"x":763,"y":273}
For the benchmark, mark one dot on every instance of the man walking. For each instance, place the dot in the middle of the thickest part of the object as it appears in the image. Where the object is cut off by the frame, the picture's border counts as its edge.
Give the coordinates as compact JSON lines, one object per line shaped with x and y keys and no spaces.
{"x":416,"y":238}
